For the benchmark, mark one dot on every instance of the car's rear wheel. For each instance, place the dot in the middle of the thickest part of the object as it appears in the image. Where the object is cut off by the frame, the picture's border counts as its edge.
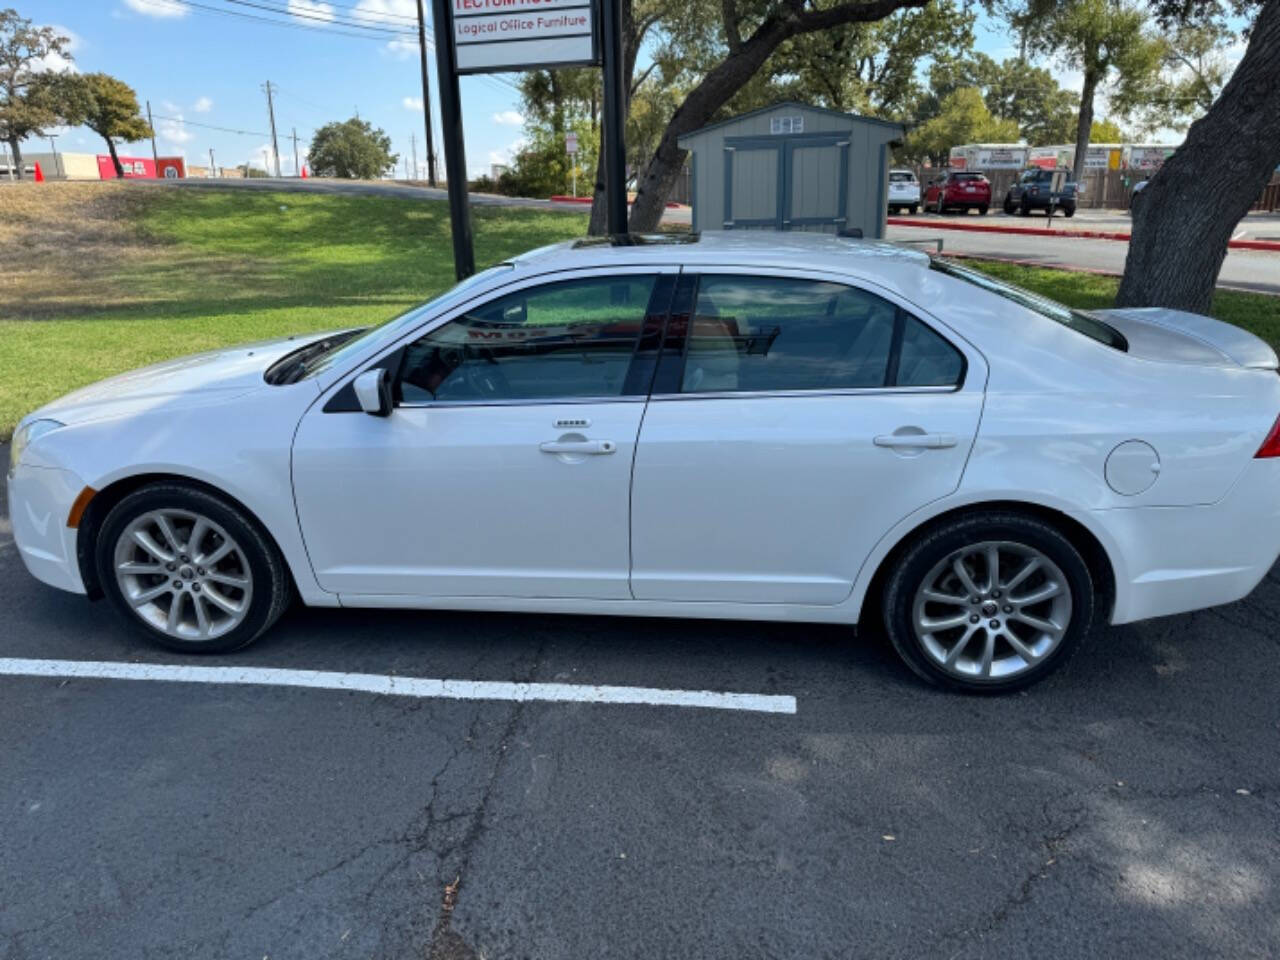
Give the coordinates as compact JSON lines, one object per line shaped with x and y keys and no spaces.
{"x":913,"y":209}
{"x":982,"y":210}
{"x":988,"y":602}
{"x":1068,"y":211}
{"x":189,"y":570}
{"x":1009,"y":207}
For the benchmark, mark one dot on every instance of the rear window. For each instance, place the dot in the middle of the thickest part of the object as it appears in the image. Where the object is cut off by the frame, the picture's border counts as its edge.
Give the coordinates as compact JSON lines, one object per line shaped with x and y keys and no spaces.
{"x":902,"y":177}
{"x":967,"y":176}
{"x":1077,"y":320}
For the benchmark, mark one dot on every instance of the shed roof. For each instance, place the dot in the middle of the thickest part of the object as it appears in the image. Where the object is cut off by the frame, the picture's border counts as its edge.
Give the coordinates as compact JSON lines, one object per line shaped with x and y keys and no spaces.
{"x":794,"y":104}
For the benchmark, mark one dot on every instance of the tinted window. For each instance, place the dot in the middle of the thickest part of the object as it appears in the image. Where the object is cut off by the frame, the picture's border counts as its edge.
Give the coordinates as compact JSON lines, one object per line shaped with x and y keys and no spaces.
{"x":967,"y":176}
{"x":770,"y":333}
{"x":902,"y":177}
{"x":1077,"y":320}
{"x":568,"y":339}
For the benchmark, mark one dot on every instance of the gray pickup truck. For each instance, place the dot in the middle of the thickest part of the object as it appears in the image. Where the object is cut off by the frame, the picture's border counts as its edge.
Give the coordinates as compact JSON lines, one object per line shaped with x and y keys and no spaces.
{"x":1033,"y":190}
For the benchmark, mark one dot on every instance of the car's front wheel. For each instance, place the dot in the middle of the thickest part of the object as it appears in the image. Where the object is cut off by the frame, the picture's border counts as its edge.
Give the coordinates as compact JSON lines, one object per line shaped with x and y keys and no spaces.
{"x":1009,"y":207}
{"x":988,"y":602}
{"x":190,"y":570}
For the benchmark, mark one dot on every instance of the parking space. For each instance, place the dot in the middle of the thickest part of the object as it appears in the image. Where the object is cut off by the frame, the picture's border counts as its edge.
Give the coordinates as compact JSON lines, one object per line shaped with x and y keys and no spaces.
{"x":1127,"y":805}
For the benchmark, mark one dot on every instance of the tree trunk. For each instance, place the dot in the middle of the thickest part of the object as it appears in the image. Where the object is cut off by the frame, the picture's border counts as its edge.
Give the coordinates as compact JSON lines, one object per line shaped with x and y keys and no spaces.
{"x":1084,"y":123}
{"x":111,"y":149}
{"x":1185,"y":216}
{"x":17,"y":158}
{"x":715,"y":90}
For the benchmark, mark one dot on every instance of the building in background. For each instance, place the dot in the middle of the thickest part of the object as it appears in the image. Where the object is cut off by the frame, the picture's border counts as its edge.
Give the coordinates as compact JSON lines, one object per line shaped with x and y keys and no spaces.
{"x":792,"y":167}
{"x":64,"y":166}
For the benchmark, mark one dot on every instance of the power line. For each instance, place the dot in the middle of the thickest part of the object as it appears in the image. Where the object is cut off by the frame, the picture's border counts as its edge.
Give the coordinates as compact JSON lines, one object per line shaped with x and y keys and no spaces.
{"x":210,"y":126}
{"x":205,"y":8}
{"x":306,"y":14}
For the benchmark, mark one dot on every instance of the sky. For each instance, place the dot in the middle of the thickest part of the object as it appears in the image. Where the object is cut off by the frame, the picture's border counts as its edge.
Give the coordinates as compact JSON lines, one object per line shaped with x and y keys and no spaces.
{"x":203,"y":65}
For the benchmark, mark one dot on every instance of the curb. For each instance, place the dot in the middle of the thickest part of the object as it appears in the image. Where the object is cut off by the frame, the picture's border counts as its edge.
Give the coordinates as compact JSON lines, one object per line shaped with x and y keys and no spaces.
{"x":1047,"y":232}
{"x":564,"y":198}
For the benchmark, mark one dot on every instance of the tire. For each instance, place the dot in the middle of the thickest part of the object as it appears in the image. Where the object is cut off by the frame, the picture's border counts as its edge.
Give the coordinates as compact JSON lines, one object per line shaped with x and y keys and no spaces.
{"x":913,"y":209}
{"x":1024,"y":210}
{"x":221,"y":606}
{"x":894,"y":211}
{"x":1068,"y":211}
{"x":928,"y":563}
{"x":940,"y":210}
{"x":1009,"y":207}
{"x":982,"y":210}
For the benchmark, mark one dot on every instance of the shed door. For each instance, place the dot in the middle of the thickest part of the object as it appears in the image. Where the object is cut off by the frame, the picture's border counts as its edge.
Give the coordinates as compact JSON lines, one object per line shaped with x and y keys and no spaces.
{"x":752,"y":178}
{"x":786,"y":183}
{"x":817,"y":185}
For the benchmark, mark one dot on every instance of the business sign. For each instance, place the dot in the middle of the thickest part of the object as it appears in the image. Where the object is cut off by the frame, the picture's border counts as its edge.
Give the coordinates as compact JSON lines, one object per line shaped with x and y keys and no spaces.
{"x":1001,"y":158}
{"x":1149,"y":158}
{"x":135,"y":168}
{"x":571,"y":143}
{"x":172,"y":168}
{"x":490,"y":36}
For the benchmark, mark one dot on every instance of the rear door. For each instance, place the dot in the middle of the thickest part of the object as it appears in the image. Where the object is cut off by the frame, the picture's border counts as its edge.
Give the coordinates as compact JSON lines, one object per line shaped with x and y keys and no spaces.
{"x":794,"y":420}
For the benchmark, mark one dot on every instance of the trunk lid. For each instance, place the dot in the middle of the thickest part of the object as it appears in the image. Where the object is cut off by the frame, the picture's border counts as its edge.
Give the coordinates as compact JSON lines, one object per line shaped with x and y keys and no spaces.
{"x":1176,"y":336}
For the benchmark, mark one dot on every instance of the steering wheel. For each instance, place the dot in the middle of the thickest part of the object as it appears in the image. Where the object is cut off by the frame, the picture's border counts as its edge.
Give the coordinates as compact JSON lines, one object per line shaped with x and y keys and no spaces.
{"x":484,"y":378}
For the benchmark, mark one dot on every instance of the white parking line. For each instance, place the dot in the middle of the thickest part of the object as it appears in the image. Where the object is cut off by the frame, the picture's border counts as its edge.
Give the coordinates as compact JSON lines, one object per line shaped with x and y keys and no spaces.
{"x":399,"y":686}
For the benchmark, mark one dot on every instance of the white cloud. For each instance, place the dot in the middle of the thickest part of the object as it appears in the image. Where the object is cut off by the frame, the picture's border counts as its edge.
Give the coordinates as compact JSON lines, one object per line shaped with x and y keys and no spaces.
{"x":157,"y":8}
{"x":412,"y":103}
{"x":504,"y":154}
{"x":59,"y":63}
{"x":311,"y":10}
{"x":174,"y":131}
{"x":402,"y":48}
{"x":396,"y":10}
{"x":508,"y":118}
{"x":203,"y":105}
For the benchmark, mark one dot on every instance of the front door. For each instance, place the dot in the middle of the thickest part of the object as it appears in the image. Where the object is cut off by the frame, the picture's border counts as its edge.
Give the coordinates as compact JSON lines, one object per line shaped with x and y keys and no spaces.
{"x":505,"y":468}
{"x":793,"y":423}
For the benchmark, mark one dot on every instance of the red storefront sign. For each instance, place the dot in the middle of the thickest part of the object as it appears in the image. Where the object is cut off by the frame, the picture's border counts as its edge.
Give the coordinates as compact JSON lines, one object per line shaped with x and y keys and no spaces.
{"x":134,"y":167}
{"x":171,"y":168}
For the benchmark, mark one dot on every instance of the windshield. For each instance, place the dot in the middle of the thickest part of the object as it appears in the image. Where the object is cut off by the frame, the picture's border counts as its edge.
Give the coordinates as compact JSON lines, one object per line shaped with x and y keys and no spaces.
{"x":1077,"y":320}
{"x":337,"y":351}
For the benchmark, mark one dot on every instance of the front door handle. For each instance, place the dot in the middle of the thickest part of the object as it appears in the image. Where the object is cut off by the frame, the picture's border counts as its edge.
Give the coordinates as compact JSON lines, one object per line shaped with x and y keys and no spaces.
{"x":927,"y":441}
{"x":579,"y":447}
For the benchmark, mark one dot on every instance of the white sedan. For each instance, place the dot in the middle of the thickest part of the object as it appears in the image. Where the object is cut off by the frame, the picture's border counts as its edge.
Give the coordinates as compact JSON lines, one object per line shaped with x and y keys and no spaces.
{"x":752,"y":426}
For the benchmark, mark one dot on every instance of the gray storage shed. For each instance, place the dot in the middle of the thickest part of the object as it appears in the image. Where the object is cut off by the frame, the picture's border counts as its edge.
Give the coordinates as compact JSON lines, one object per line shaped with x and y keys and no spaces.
{"x":792,"y":167}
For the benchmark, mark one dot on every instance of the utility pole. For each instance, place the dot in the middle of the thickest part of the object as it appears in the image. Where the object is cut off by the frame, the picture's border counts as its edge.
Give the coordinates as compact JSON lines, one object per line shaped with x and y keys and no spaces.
{"x":426,"y":98}
{"x":297,"y":170}
{"x":155,"y":157}
{"x":413,"y":144}
{"x":54,"y":147}
{"x":271,"y":112}
{"x":213,"y":170}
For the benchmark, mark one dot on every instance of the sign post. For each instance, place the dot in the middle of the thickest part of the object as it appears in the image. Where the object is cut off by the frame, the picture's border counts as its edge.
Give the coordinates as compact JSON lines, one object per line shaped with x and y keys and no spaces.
{"x":571,"y":148}
{"x":493,"y":36}
{"x":615,"y":92}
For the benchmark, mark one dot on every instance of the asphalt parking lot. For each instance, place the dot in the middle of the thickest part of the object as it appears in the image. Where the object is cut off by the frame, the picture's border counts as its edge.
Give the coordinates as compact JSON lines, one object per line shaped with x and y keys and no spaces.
{"x":1128,"y":807}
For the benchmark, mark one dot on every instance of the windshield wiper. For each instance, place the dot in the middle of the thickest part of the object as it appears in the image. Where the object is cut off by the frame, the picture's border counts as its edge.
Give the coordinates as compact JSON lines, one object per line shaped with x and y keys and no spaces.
{"x":292,"y":367}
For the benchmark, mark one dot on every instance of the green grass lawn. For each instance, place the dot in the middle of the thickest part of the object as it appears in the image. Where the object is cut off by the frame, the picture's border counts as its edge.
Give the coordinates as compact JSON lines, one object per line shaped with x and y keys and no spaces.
{"x":176,"y":271}
{"x":218,"y":268}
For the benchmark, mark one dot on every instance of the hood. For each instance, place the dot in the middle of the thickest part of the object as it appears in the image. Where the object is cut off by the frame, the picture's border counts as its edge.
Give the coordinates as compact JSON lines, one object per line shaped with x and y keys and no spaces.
{"x":1175,"y":336}
{"x":195,"y":379}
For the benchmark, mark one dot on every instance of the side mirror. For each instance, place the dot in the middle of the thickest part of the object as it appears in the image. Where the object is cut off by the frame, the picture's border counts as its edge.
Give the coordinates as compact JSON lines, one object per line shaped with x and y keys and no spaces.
{"x":373,"y":392}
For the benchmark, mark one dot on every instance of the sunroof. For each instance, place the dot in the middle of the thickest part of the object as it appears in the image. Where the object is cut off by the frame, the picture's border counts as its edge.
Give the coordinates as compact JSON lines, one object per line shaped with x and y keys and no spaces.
{"x":636,"y":240}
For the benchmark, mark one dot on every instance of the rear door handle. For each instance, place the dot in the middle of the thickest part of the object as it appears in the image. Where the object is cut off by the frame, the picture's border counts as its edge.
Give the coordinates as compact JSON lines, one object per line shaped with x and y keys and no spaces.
{"x":928,"y":441}
{"x":580,"y":447}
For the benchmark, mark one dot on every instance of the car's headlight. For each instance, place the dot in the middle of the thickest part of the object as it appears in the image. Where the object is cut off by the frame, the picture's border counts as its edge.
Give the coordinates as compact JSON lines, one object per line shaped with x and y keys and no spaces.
{"x":25,"y":435}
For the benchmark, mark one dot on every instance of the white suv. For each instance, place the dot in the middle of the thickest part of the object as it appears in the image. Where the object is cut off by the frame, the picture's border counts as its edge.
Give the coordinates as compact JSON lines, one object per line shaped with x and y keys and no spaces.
{"x":904,"y":191}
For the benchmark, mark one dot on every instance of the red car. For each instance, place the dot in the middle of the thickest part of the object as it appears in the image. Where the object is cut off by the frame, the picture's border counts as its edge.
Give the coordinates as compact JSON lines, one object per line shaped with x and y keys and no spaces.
{"x":959,"y":190}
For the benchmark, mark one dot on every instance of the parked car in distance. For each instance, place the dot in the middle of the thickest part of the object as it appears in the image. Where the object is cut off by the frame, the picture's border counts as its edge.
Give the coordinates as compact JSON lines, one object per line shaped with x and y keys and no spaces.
{"x":959,"y":190}
{"x":904,"y":191}
{"x":739,"y":425}
{"x":1033,"y":190}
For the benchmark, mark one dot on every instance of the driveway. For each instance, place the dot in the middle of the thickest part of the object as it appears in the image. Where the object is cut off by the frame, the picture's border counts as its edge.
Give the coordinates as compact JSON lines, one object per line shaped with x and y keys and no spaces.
{"x":1127,"y":807}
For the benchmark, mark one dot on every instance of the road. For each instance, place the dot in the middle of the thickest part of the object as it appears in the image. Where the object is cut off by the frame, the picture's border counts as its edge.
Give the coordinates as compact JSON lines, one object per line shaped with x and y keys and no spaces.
{"x":1243,"y":269}
{"x":1127,"y":807}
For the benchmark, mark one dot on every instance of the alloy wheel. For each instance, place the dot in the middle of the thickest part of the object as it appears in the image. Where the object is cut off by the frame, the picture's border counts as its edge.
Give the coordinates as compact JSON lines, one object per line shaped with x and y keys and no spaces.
{"x":992,"y":610}
{"x":183,"y":574}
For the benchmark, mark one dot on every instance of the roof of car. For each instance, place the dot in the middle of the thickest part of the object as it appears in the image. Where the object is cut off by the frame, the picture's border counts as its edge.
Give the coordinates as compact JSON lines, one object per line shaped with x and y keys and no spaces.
{"x":729,"y":248}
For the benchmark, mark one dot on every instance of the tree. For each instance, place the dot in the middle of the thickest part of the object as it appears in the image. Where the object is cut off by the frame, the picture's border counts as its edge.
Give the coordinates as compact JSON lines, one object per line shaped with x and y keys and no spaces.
{"x":747,"y":33}
{"x":1192,"y":72}
{"x":1013,"y":90}
{"x":112,"y":112}
{"x":1190,"y":208}
{"x":29,"y":100}
{"x":963,"y":118}
{"x":1106,"y":131}
{"x":1106,"y":40}
{"x":351,"y":150}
